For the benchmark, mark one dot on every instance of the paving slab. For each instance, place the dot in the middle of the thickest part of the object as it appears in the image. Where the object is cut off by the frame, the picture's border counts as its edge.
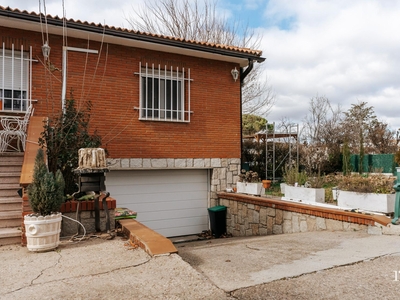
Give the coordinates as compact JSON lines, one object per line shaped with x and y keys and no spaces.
{"x":149,"y":240}
{"x":237,"y":263}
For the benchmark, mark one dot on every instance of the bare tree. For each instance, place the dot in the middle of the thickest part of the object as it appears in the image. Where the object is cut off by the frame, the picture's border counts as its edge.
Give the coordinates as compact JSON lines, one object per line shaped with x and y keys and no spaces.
{"x":322,"y":133}
{"x":358,"y":120}
{"x":201,"y":21}
{"x":321,"y":125}
{"x":257,"y":96}
{"x":382,"y":139}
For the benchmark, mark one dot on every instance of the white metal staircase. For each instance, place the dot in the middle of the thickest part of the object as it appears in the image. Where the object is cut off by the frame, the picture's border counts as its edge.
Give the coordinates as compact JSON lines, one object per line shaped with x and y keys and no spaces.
{"x":10,"y":201}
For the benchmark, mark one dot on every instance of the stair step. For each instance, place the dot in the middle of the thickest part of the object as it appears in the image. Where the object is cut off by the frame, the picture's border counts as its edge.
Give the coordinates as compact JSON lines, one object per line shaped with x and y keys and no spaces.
{"x":10,"y":177}
{"x":9,"y":174}
{"x":9,"y":193}
{"x":9,"y":236}
{"x":10,"y":219}
{"x":11,"y":168}
{"x":6,"y":162}
{"x":9,"y":186}
{"x":7,"y":215}
{"x":10,"y":203}
{"x":11,"y":158}
{"x":9,"y":189}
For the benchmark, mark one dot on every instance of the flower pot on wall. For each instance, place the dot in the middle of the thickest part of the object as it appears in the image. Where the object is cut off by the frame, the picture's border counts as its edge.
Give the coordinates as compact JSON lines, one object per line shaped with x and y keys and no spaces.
{"x":251,"y":188}
{"x":42,"y":232}
{"x":241,"y":187}
{"x":367,"y":201}
{"x":304,"y":194}
{"x":254,"y":188}
{"x":283,"y":185}
{"x":266,"y":184}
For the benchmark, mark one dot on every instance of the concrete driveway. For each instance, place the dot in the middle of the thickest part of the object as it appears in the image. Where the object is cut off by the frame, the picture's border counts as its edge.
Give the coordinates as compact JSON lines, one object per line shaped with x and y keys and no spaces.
{"x":260,"y":267}
{"x":99,"y":269}
{"x":315,"y":265}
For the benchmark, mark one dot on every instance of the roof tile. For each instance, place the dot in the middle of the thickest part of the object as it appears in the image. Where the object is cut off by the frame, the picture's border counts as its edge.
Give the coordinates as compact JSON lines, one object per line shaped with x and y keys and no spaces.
{"x":208,"y":44}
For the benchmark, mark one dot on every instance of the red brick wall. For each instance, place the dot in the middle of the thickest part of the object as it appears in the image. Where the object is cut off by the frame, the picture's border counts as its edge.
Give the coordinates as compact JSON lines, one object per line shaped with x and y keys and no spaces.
{"x":108,"y":80}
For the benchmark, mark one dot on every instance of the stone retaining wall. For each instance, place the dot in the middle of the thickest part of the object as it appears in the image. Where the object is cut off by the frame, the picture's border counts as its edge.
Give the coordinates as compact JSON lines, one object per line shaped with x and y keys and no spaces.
{"x":248,"y":219}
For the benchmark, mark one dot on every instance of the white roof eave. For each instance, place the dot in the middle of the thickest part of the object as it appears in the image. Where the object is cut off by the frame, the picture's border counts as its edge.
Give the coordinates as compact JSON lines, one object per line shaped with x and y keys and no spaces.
{"x":107,"y":38}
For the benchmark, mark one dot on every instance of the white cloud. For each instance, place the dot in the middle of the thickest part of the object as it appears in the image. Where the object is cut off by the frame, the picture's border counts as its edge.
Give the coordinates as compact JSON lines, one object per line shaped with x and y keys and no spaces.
{"x":345,"y":50}
{"x":109,"y":12}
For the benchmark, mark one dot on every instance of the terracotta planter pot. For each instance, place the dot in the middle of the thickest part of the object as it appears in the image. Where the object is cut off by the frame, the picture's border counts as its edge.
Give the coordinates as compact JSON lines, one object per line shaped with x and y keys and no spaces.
{"x":266,"y":184}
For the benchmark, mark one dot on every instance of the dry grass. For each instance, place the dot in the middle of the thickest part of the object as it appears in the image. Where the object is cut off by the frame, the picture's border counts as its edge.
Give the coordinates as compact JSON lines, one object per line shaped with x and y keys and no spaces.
{"x":378,"y":184}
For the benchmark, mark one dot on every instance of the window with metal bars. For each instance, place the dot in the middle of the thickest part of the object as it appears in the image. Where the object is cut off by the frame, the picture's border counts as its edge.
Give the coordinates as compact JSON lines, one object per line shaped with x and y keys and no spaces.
{"x":15,"y":66}
{"x":164,"y":94}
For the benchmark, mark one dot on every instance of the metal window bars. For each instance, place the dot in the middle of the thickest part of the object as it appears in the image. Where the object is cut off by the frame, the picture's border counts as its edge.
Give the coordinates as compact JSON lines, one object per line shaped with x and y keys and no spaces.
{"x":15,"y":79}
{"x":164,"y":93}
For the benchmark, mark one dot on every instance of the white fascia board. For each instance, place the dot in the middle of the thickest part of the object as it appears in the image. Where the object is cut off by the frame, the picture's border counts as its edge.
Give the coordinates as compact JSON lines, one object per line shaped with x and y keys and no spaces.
{"x":85,"y":35}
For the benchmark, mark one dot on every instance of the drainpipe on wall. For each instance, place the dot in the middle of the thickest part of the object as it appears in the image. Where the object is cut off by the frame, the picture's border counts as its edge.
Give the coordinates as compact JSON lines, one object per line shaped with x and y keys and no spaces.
{"x":243,"y":74}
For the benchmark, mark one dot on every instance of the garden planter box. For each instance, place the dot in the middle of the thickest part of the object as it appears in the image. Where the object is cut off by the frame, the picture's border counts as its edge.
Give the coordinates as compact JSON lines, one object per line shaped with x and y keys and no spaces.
{"x":367,"y":201}
{"x":283,"y":185}
{"x":241,"y":187}
{"x":304,"y":194}
{"x":254,"y":188}
{"x":249,"y":188}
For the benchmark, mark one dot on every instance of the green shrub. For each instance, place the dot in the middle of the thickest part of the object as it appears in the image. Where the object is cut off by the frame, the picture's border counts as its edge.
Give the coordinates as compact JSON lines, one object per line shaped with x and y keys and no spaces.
{"x":291,"y":176}
{"x":46,"y":192}
{"x":63,"y":136}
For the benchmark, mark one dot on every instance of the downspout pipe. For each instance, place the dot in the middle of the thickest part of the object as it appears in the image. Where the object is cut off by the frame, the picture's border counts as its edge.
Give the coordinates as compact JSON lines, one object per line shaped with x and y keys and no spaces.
{"x":243,"y":74}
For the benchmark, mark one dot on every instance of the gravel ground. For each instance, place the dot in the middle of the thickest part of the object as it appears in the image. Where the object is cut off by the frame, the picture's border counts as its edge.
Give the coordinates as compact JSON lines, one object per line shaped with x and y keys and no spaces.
{"x":374,"y":279}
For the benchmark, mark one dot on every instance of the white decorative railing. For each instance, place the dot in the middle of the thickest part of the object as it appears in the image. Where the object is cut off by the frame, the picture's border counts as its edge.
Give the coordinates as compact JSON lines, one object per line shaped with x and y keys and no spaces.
{"x":15,"y":79}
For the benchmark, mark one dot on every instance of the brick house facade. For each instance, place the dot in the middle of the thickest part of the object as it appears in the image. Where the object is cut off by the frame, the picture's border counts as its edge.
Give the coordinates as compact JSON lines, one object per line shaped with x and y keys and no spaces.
{"x":143,"y":129}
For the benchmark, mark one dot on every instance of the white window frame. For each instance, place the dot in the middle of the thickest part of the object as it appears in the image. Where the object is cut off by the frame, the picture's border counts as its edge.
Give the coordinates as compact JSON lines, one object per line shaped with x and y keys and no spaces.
{"x":15,"y":79}
{"x":162,"y":93}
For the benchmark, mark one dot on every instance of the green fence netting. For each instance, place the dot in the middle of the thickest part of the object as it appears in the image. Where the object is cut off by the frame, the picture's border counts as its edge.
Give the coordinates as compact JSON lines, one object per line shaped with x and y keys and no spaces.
{"x":374,"y":163}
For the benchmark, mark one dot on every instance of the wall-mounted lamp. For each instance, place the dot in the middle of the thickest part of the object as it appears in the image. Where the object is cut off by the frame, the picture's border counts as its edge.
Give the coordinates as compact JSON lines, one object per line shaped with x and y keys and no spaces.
{"x":235,"y":74}
{"x":46,"y":51}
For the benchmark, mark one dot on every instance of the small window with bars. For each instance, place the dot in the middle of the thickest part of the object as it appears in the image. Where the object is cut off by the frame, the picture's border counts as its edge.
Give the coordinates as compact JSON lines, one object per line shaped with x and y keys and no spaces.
{"x":164,"y":93}
{"x":15,"y":68}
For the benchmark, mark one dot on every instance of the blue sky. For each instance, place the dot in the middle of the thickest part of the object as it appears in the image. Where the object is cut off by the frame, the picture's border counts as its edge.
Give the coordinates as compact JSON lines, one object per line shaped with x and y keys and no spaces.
{"x":345,"y":50}
{"x":257,"y":14}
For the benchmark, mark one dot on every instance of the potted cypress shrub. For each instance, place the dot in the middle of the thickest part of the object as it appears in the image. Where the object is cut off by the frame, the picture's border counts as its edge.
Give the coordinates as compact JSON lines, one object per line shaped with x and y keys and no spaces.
{"x":46,"y":194}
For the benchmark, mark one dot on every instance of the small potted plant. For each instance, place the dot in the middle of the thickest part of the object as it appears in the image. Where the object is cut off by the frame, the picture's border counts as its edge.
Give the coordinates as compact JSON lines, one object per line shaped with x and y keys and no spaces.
{"x":46,"y":194}
{"x":249,"y":183}
{"x":300,"y":187}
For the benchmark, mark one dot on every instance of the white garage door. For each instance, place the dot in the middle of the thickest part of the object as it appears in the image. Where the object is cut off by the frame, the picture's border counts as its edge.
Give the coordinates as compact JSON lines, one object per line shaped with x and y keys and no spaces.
{"x":171,"y":202}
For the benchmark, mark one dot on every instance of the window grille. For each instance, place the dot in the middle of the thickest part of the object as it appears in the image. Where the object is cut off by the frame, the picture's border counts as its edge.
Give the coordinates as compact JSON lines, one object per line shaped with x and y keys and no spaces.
{"x":15,"y":79}
{"x":164,"y":93}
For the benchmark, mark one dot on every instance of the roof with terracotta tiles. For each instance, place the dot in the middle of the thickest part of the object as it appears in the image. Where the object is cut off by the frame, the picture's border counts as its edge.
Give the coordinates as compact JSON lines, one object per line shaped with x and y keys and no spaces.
{"x":84,"y":25}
